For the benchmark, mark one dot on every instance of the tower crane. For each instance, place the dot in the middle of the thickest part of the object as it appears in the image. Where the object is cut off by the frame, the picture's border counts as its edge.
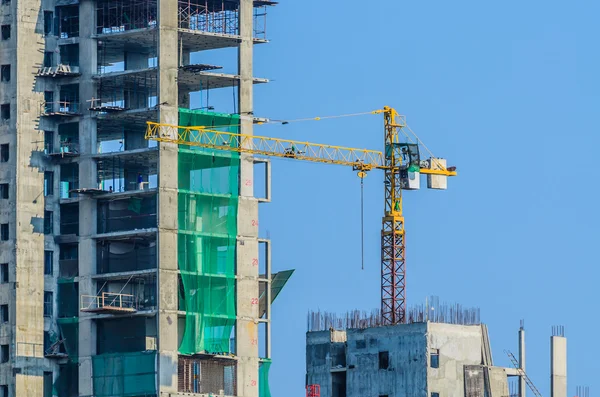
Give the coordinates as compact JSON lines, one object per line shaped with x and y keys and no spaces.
{"x":400,"y":162}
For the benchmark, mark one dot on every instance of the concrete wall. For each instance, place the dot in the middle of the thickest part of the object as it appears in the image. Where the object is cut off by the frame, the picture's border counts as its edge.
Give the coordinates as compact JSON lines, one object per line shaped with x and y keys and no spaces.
{"x":409,"y":372}
{"x":406,"y":374}
{"x":318,"y":360}
{"x":29,"y":203}
{"x":498,"y":382}
{"x":458,"y":346}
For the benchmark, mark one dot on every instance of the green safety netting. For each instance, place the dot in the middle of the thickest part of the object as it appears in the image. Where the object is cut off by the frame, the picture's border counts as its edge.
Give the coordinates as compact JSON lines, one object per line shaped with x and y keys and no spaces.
{"x":68,"y":298}
{"x":68,"y":316}
{"x":124,"y":374}
{"x":207,"y":216}
{"x":67,"y":381}
{"x":263,"y":378}
{"x":69,"y":329}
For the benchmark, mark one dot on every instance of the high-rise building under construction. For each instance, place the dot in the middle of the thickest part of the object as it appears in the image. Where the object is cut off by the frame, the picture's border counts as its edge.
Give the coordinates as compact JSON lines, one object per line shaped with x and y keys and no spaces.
{"x":129,"y":267}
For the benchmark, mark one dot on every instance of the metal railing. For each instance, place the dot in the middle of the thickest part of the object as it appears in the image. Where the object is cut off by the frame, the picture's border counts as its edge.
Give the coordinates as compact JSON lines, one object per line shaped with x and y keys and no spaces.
{"x":108,"y":301}
{"x":60,"y":107}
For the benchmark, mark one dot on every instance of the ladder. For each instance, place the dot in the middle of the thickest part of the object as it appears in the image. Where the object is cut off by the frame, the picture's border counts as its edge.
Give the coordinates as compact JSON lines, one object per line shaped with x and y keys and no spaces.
{"x":522,"y":373}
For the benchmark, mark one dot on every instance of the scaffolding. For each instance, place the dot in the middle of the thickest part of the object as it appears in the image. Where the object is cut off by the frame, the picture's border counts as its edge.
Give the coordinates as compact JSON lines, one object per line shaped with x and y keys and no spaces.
{"x":68,"y":21}
{"x":207,"y":375}
{"x":114,"y":16}
{"x":220,"y":16}
{"x":118,"y":91}
{"x":64,"y":108}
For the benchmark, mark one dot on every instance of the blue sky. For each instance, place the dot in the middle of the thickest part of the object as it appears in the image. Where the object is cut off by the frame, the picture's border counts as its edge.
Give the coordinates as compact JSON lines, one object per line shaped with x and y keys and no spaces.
{"x":507,"y":92}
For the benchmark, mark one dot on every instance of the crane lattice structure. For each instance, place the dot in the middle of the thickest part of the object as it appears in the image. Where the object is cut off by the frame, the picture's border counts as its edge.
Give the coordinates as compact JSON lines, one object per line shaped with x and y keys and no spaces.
{"x":399,"y":161}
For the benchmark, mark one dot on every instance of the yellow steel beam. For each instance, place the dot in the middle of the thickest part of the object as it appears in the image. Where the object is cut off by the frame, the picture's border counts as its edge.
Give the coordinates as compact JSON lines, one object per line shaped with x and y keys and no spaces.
{"x":207,"y":137}
{"x":211,"y":138}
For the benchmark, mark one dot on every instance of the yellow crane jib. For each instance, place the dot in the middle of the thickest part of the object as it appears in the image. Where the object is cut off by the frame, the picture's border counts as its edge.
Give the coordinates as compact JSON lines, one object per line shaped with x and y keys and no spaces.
{"x":208,"y":137}
{"x":362,"y":160}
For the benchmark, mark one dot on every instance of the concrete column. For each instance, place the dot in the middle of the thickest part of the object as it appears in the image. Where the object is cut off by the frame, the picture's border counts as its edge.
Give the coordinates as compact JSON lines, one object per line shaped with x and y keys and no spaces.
{"x":522,"y":383}
{"x":167,"y":201}
{"x":87,"y":179}
{"x":247,"y":282}
{"x":558,"y":366}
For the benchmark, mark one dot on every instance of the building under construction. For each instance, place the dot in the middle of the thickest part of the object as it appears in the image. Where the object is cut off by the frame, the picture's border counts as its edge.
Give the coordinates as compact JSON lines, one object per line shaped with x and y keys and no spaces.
{"x":444,"y":352}
{"x":129,"y":267}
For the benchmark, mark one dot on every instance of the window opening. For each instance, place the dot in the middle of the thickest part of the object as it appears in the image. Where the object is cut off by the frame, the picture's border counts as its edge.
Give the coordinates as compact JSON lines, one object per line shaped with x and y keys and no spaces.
{"x":5,"y":32}
{"x":4,"y":313}
{"x":68,"y":21}
{"x":4,"y":153}
{"x":4,"y":354}
{"x":49,"y":142}
{"x":48,"y":262}
{"x":4,"y":273}
{"x":4,"y":232}
{"x":69,"y":54}
{"x":48,"y":183}
{"x":384,"y":360}
{"x":48,"y":222}
{"x":5,"y":73}
{"x":48,"y":59}
{"x":47,"y":303}
{"x":48,"y":101}
{"x":48,"y":384}
{"x":5,"y":111}
{"x":48,"y":22}
{"x":434,"y":358}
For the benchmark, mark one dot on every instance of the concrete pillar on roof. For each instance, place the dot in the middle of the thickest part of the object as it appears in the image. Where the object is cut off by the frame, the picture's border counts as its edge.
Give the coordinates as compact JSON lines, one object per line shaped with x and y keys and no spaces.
{"x":558,"y":366}
{"x":522,"y":383}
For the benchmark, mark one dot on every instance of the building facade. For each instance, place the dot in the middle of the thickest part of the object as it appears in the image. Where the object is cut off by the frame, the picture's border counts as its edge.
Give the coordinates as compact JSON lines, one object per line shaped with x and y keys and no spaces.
{"x":420,"y":359}
{"x":128,"y":267}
